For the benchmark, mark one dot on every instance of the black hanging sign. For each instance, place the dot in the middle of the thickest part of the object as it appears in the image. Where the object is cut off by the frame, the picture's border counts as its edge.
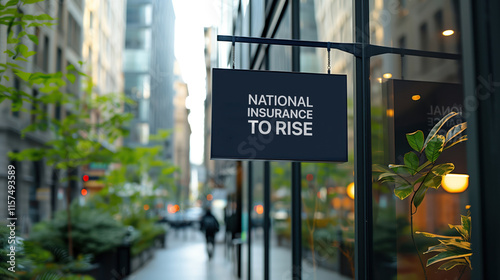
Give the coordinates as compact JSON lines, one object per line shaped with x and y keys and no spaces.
{"x":279,"y":116}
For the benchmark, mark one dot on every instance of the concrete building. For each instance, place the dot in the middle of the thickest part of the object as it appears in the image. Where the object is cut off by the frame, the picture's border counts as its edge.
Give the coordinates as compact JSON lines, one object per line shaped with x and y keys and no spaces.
{"x":148,"y":69}
{"x":40,"y":189}
{"x":103,"y":45}
{"x":182,"y":133}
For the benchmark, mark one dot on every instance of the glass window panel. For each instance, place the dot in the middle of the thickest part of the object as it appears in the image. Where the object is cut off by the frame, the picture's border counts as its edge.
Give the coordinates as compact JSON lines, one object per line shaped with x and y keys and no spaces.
{"x":138,"y":38}
{"x":142,"y":14}
{"x":257,"y":221}
{"x":327,"y":188}
{"x":280,"y":251}
{"x":136,"y":60}
{"x":408,"y":94}
{"x":389,"y":20}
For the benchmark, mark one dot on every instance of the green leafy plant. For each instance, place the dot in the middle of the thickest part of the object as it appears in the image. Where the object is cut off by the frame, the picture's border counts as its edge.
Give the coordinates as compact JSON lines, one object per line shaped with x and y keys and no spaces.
{"x":93,"y":231}
{"x":420,"y":170}
{"x":453,"y":250}
{"x":53,"y":263}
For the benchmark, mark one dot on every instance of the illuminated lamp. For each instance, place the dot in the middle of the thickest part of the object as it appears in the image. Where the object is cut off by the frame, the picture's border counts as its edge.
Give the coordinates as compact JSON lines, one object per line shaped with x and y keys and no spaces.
{"x":350,"y":190}
{"x":448,"y":32}
{"x":455,"y":183}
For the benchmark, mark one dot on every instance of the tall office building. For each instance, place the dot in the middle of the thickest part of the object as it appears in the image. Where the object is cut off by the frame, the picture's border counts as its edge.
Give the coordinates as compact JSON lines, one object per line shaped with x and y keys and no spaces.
{"x":148,"y":69}
{"x":103,"y":46}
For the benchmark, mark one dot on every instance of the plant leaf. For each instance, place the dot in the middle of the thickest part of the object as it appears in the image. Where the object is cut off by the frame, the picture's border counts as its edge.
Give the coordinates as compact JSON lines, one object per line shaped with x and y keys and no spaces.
{"x":466,"y":222}
{"x":21,"y":74}
{"x":443,"y":169}
{"x":419,"y":196}
{"x":460,"y":229}
{"x":33,"y":38}
{"x":380,"y":168}
{"x":402,"y":191}
{"x":416,"y":140}
{"x":434,"y":182}
{"x":31,"y":1}
{"x":438,"y":126}
{"x":455,"y":131}
{"x":411,"y":161}
{"x":71,"y":78}
{"x":423,"y":166}
{"x":461,"y":139}
{"x":434,"y":148}
{"x":432,"y":235}
{"x":451,"y":264}
{"x":448,"y":255}
{"x":401,"y":170}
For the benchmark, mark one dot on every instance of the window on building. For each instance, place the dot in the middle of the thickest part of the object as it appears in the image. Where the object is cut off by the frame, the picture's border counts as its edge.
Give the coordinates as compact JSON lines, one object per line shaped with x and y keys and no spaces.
{"x":38,"y":55}
{"x":142,"y":14}
{"x":424,"y":45}
{"x":59,"y":60}
{"x":34,"y":106}
{"x":60,"y":15}
{"x":58,"y":112}
{"x":46,"y":51}
{"x":34,"y":205}
{"x":16,"y":101}
{"x":439,"y":25}
{"x":74,"y":35}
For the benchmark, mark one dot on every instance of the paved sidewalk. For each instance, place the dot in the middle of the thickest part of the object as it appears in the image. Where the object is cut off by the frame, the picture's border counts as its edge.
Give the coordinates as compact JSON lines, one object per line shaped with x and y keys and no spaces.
{"x":185,"y":258}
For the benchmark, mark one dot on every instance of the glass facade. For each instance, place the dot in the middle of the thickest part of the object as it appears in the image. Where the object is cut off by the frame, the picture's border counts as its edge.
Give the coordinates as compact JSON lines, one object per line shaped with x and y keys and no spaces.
{"x":407,"y":93}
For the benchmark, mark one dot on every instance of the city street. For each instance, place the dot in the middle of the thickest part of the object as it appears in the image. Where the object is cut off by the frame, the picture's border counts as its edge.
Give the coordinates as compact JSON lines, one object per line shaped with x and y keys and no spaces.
{"x":185,"y":258}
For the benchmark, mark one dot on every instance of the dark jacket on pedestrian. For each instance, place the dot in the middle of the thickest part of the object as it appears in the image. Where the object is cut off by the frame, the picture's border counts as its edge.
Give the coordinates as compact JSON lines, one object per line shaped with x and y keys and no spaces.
{"x":209,"y":223}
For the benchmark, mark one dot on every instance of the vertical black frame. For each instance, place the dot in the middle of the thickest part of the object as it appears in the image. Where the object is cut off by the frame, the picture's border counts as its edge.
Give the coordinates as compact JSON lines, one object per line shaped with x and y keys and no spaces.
{"x":296,"y":166}
{"x":249,"y":209}
{"x":363,"y":218}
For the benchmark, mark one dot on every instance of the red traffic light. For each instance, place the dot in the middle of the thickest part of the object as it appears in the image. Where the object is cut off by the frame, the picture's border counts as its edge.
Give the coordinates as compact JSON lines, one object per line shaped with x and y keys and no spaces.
{"x":85,"y":178}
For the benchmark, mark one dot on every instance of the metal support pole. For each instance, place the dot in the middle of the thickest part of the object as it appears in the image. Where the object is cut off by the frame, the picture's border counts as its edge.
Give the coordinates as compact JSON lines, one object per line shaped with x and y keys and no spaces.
{"x":249,"y":209}
{"x":267,"y":220}
{"x":239,"y":208}
{"x":362,"y":147}
{"x":296,"y":172}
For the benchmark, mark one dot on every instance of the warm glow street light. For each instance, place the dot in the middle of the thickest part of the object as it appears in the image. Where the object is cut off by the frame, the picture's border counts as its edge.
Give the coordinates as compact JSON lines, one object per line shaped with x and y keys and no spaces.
{"x":387,"y":75}
{"x":448,"y":32}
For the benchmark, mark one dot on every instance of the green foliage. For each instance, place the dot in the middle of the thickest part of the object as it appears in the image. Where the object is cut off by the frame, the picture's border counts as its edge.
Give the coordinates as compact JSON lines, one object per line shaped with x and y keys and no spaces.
{"x":53,"y":263}
{"x":12,"y":17}
{"x":453,"y":250}
{"x":415,"y":177}
{"x":4,"y":250}
{"x":93,"y":231}
{"x":148,"y":230}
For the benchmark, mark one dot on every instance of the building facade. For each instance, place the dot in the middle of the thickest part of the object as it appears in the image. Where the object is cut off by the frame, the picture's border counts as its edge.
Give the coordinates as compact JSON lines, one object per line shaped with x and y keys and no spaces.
{"x":103,"y":47}
{"x":148,"y":68}
{"x":182,"y":133}
{"x":453,"y":69}
{"x":41,"y":189}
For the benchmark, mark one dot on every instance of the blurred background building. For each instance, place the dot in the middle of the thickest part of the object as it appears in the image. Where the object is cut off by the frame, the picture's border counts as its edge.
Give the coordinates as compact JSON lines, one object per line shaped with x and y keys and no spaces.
{"x":40,"y":190}
{"x":148,"y":68}
{"x":182,"y":133}
{"x":103,"y":47}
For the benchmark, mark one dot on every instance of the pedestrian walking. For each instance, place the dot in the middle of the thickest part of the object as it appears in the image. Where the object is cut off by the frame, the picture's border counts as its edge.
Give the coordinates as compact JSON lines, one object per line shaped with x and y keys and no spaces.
{"x":210,"y":226}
